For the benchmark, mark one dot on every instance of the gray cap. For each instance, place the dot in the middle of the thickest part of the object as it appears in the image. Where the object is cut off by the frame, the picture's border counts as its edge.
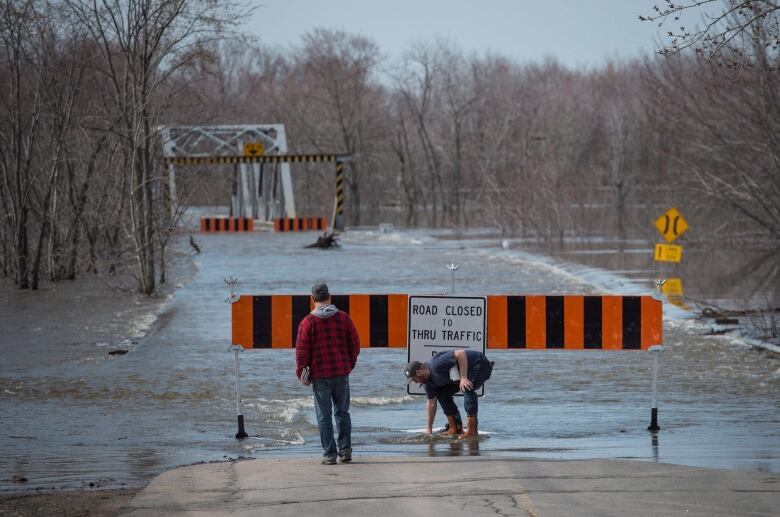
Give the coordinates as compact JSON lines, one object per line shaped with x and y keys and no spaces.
{"x":320,"y":292}
{"x":411,"y":370}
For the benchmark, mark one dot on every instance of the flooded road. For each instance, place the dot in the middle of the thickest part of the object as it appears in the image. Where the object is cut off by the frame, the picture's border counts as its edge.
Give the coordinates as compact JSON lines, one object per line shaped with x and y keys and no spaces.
{"x":72,"y":414}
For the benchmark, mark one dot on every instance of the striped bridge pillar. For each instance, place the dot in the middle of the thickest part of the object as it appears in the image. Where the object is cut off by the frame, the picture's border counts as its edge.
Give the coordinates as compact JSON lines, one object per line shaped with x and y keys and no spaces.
{"x":338,"y":211}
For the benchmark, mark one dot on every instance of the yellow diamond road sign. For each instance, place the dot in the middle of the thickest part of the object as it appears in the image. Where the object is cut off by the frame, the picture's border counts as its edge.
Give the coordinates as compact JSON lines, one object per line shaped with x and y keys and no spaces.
{"x":671,"y":224}
{"x":253,"y":149}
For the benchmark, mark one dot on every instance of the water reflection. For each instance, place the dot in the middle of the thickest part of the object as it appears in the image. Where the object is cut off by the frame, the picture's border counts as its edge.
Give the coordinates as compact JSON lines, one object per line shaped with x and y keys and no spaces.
{"x":654,"y":446}
{"x":731,"y":277}
{"x":143,"y":460}
{"x":756,"y":277}
{"x":462,"y":447}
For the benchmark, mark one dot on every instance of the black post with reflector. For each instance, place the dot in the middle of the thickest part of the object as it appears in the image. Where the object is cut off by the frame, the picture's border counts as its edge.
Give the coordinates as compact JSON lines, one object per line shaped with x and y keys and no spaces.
{"x":241,"y":434}
{"x":231,"y":299}
{"x":655,"y":351}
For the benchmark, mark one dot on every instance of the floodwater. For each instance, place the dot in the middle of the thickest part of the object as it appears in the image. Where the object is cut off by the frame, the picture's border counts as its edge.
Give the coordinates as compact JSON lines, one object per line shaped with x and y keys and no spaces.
{"x":73,"y":415}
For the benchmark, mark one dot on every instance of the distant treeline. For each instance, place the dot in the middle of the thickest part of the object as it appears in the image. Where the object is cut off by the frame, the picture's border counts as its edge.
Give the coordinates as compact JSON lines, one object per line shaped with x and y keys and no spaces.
{"x":439,"y":138}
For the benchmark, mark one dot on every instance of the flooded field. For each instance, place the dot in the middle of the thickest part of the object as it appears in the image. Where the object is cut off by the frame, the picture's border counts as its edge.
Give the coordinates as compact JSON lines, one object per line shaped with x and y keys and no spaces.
{"x":73,"y":414}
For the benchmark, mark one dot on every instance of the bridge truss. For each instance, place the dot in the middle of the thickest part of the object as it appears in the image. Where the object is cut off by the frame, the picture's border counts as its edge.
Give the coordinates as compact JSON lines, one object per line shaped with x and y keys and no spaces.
{"x":256,"y":191}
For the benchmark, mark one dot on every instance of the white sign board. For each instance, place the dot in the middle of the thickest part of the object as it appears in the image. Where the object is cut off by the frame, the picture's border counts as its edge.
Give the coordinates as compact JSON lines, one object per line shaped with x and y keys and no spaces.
{"x":442,"y":323}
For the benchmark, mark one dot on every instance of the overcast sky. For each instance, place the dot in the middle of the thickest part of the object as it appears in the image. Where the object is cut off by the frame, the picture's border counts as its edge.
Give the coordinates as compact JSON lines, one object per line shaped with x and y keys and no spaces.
{"x":579,"y":33}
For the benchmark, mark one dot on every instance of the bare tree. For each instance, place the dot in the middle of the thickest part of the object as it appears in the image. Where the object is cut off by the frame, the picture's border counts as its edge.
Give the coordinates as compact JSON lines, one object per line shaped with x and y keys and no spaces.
{"x":408,"y":172}
{"x":622,"y":117}
{"x":731,"y":152}
{"x":339,"y":84}
{"x":417,"y":84}
{"x":68,"y":67}
{"x":28,"y":84}
{"x":144,"y":45}
{"x":728,"y":30}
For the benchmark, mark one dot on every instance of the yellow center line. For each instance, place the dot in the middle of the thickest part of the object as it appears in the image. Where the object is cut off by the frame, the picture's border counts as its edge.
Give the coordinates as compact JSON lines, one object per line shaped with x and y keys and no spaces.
{"x":525,"y":501}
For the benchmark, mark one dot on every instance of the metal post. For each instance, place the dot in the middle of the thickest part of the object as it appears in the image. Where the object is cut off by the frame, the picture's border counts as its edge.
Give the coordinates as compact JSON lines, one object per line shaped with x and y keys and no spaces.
{"x":655,"y":351}
{"x":453,"y":268}
{"x":338,"y":209}
{"x":169,"y":149}
{"x":172,"y":189}
{"x":231,"y":299}
{"x":241,"y":432}
{"x":235,"y":204}
{"x":658,"y":293}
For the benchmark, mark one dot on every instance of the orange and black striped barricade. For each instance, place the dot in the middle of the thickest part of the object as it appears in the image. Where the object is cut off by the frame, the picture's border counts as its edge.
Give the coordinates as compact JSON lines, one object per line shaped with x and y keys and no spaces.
{"x":568,"y":322}
{"x":271,"y":321}
{"x":573,"y":322}
{"x":300,"y":224}
{"x":226,"y":224}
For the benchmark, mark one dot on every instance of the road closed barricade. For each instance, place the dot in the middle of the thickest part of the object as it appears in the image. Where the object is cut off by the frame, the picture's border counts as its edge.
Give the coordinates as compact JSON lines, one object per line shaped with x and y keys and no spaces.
{"x":300,"y":224}
{"x":569,"y":322}
{"x":429,"y":324}
{"x":271,"y":321}
{"x":226,"y":224}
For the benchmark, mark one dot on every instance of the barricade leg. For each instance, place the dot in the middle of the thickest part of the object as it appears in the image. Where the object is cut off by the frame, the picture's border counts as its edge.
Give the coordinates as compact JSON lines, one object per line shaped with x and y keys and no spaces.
{"x":241,"y":432}
{"x":655,"y":351}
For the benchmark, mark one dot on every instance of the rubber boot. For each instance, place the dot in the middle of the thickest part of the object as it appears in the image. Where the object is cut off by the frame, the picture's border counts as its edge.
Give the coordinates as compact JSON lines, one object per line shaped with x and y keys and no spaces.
{"x":454,"y":426}
{"x":471,"y":430}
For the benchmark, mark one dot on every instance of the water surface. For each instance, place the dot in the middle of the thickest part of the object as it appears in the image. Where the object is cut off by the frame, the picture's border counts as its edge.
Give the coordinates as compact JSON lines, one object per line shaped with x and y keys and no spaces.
{"x":72,"y":414}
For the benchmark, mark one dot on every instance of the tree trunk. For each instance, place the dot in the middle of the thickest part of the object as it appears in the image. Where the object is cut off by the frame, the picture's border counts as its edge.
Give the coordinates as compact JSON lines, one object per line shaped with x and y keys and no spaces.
{"x":35,"y":274}
{"x":22,"y":279}
{"x":354,"y":194}
{"x":70,"y":271}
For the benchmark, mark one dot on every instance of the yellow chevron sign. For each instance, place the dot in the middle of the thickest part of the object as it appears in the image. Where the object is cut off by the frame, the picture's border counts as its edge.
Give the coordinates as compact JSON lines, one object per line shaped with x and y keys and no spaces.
{"x":671,"y":225}
{"x":668,"y":253}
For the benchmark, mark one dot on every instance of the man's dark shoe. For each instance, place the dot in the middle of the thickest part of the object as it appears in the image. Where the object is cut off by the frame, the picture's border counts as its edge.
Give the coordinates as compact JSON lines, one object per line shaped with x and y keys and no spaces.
{"x":329,"y":461}
{"x":345,"y":456}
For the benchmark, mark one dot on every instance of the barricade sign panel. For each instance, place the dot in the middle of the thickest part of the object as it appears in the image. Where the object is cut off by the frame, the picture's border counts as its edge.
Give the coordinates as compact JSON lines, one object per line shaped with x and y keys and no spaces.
{"x":444,"y":323}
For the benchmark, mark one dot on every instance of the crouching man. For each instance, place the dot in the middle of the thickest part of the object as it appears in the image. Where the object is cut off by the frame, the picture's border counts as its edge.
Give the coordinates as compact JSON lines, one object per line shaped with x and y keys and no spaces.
{"x":473,"y":369}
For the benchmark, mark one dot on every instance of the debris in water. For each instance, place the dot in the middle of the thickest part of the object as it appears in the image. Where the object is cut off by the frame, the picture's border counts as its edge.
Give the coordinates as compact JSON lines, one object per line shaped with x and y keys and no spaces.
{"x":327,"y":240}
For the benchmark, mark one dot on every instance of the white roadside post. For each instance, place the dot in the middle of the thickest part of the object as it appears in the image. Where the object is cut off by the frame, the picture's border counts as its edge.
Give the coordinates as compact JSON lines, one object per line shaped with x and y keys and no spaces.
{"x":655,"y":351}
{"x":453,"y":267}
{"x":231,"y":299}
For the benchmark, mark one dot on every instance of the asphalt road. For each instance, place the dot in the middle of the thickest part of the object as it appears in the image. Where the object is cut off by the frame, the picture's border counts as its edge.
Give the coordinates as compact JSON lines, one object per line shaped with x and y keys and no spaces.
{"x":453,"y":486}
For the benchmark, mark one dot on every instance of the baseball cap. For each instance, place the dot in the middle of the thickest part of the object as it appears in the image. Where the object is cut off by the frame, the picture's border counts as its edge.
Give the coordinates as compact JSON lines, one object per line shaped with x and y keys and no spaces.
{"x":411,"y":370}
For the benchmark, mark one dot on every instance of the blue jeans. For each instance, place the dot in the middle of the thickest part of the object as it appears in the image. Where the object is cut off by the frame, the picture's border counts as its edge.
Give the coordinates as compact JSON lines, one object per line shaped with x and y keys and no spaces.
{"x":332,"y":396}
{"x":478,"y":374}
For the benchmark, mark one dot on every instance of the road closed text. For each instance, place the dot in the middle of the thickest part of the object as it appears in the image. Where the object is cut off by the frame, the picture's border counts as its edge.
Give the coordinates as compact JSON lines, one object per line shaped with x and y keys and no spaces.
{"x":449,"y":310}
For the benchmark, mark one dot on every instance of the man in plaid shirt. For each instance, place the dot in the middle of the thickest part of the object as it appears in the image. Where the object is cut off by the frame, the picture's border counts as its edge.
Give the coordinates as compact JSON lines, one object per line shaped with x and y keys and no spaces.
{"x":329,"y":345}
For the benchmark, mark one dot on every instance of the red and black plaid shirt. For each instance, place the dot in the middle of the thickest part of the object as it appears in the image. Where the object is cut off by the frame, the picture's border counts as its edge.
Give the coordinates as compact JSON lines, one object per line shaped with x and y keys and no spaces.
{"x":329,"y":346}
